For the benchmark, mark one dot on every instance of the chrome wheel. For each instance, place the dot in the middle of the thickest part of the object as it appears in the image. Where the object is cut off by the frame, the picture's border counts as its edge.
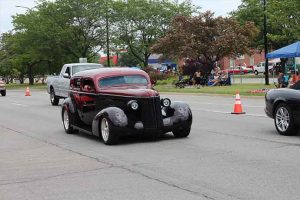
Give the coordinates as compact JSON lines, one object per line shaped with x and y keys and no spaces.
{"x":66,"y":120}
{"x":105,"y":129}
{"x":282,"y":119}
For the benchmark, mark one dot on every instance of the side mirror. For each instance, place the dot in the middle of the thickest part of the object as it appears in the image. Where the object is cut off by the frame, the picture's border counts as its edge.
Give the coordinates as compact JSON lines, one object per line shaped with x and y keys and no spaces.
{"x":66,"y":75}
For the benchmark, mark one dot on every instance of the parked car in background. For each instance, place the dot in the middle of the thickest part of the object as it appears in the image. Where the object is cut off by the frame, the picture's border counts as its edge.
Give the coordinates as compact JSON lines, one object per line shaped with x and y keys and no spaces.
{"x":58,"y":86}
{"x":2,"y":88}
{"x":238,"y":70}
{"x":110,"y":102}
{"x":260,"y":68}
{"x":283,"y":105}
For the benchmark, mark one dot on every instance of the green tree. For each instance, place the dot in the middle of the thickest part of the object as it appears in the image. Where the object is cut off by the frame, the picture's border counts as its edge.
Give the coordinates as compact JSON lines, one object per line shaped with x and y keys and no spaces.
{"x":206,"y":39}
{"x":282,"y":20}
{"x":57,"y":32}
{"x":139,"y":23}
{"x":127,"y":59}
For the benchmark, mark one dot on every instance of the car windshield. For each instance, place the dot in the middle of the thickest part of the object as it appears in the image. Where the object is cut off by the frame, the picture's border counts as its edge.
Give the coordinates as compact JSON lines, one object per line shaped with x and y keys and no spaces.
{"x":123,"y":80}
{"x":79,"y":68}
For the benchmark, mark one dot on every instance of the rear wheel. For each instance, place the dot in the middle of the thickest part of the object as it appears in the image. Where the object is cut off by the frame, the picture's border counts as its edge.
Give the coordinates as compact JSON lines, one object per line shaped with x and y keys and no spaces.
{"x":109,"y":136}
{"x":3,"y":92}
{"x":66,"y":118}
{"x":284,"y":121}
{"x":53,"y":99}
{"x":256,"y":72}
{"x":182,"y":132}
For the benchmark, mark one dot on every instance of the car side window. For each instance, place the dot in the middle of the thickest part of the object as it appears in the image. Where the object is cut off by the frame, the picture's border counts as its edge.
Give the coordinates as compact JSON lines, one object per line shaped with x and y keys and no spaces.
{"x":88,"y":85}
{"x":68,"y":71}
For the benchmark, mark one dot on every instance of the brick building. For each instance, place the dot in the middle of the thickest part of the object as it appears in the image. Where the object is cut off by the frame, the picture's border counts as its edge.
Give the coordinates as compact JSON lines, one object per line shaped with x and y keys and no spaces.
{"x":244,"y":60}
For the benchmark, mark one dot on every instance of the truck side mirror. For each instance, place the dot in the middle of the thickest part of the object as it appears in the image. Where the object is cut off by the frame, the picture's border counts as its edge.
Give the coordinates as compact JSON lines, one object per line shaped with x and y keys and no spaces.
{"x":66,"y":75}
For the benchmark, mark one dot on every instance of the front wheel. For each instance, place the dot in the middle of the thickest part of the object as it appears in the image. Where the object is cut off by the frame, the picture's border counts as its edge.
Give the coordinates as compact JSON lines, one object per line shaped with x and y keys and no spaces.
{"x":53,"y":98}
{"x":109,"y":136}
{"x":284,"y":121}
{"x":66,"y":121}
{"x":182,"y":132}
{"x":256,"y":72}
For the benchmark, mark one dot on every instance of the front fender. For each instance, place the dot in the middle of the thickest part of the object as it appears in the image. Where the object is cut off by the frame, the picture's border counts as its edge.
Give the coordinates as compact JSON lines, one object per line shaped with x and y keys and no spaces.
{"x":116,"y":115}
{"x":68,"y":102}
{"x":179,"y":112}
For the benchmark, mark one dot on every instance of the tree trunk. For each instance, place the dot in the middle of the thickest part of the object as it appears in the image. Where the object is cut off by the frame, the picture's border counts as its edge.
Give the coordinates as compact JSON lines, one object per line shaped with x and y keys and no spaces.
{"x":49,"y":67}
{"x":30,"y":75}
{"x":146,"y":58}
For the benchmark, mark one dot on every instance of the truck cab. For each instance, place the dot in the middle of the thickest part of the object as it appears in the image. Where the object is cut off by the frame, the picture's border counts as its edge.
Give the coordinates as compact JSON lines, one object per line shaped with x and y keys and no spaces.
{"x":58,"y":86}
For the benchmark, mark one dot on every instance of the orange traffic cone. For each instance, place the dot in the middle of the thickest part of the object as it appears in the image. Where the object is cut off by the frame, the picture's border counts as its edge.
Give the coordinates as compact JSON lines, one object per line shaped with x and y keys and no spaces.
{"x":238,"y":105}
{"x":27,"y":93}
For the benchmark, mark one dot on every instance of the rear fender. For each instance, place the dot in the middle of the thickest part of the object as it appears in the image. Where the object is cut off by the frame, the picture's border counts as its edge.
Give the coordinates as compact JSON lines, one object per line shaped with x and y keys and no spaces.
{"x":114,"y":114}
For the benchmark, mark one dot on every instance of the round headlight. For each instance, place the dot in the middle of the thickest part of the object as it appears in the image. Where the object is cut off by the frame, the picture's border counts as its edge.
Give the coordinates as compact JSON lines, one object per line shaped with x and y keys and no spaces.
{"x":133,"y":105}
{"x":166,"y":102}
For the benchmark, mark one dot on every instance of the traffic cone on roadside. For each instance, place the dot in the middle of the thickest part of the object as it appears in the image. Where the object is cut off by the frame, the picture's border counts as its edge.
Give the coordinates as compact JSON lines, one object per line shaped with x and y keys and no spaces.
{"x":237,"y":105}
{"x":27,"y":93}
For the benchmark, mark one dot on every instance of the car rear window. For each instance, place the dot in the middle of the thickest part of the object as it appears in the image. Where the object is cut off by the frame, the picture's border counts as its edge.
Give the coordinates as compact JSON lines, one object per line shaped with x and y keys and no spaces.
{"x":123,"y":80}
{"x":79,"y":68}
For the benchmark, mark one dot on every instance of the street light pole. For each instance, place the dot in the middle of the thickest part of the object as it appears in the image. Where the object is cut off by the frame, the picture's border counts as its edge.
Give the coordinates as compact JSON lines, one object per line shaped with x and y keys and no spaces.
{"x":266,"y":46}
{"x":107,"y":38}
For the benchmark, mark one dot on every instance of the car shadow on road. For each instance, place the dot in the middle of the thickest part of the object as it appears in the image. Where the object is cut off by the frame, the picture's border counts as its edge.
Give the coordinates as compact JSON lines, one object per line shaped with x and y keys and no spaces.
{"x":132,"y":139}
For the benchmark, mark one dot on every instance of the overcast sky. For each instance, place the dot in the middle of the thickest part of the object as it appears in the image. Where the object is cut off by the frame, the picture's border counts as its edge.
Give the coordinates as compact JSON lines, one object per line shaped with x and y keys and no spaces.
{"x":8,"y":8}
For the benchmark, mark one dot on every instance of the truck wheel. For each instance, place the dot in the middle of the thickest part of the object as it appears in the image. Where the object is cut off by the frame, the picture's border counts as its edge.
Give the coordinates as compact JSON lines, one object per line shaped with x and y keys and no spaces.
{"x":53,"y":99}
{"x":66,"y":118}
{"x":3,"y":92}
{"x":108,"y":135}
{"x":256,"y":72}
{"x":182,"y":132}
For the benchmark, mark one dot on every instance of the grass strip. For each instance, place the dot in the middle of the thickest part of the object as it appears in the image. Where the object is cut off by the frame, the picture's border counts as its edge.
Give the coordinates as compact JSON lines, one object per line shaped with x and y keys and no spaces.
{"x":244,"y":89}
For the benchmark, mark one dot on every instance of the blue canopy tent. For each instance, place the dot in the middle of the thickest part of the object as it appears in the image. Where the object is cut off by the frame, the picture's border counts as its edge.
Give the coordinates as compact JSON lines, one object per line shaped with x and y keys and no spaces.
{"x":290,"y":51}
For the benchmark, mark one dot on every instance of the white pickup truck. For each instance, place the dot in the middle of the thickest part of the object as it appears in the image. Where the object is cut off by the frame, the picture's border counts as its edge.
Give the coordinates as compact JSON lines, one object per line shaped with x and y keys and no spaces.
{"x":260,"y":67}
{"x":58,"y":86}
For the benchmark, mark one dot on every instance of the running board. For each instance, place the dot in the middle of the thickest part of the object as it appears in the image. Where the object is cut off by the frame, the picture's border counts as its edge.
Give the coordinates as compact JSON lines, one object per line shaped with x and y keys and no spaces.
{"x":82,"y":130}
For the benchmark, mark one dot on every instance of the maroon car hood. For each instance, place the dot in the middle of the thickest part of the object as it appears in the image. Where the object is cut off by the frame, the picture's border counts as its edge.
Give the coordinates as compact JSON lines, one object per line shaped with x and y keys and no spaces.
{"x":131,"y":92}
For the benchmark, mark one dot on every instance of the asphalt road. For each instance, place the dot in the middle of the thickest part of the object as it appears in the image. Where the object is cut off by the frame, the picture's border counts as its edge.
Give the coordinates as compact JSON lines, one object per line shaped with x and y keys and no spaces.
{"x":225,"y":157}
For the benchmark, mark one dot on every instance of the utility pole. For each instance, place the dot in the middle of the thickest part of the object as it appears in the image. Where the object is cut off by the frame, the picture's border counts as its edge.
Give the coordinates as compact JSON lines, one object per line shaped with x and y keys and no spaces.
{"x":266,"y":46}
{"x":107,"y":38}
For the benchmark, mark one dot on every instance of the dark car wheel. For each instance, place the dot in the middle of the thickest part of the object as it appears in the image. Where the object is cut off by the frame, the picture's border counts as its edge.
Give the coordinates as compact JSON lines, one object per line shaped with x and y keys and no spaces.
{"x":284,"y":121}
{"x":53,"y":99}
{"x":3,"y":92}
{"x":182,"y":132}
{"x":256,"y":72}
{"x":67,"y":122}
{"x":109,"y":136}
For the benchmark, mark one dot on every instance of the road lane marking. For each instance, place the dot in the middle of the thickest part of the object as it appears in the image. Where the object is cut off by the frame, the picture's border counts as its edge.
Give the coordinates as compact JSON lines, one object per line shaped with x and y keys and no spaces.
{"x":225,"y":104}
{"x":222,"y":112}
{"x":18,"y":104}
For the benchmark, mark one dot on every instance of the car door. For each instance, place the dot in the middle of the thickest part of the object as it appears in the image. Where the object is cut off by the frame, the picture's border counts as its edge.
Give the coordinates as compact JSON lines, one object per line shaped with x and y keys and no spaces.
{"x":64,"y":83}
{"x":87,"y":101}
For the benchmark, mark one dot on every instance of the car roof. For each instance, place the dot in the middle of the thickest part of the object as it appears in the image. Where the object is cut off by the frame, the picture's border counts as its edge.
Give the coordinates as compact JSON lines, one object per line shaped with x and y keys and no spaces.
{"x":109,"y":71}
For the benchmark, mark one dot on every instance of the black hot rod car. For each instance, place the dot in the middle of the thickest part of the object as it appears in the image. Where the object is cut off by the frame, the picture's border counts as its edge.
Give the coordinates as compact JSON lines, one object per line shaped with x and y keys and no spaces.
{"x":109,"y":102}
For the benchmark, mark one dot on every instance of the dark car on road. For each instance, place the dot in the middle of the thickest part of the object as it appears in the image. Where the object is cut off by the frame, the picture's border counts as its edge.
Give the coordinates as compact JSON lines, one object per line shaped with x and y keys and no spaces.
{"x":110,"y":102}
{"x":283,"y":105}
